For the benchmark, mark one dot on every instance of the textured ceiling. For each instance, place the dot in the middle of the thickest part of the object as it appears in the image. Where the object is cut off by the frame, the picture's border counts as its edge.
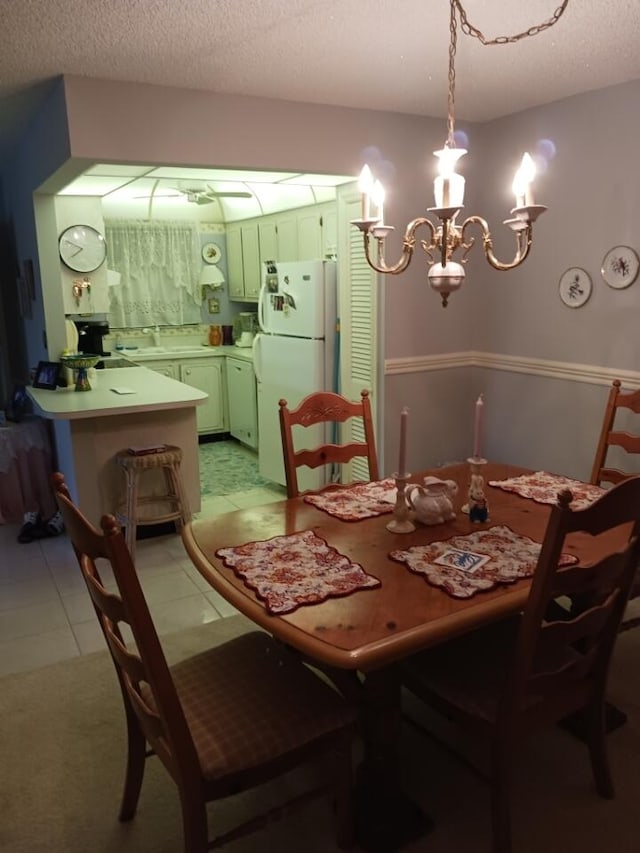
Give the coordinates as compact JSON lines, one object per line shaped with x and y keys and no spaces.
{"x":378,"y":54}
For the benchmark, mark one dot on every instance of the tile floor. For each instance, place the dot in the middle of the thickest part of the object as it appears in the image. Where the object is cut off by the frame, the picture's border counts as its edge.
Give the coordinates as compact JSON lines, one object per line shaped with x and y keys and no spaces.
{"x":46,"y":614}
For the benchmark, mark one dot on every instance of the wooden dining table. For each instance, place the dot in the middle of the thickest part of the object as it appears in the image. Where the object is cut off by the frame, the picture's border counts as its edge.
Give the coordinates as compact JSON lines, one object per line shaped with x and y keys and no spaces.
{"x":370,"y":630}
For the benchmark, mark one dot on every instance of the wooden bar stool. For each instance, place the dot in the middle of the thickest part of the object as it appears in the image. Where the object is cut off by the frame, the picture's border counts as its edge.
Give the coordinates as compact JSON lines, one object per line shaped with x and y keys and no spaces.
{"x":166,"y":458}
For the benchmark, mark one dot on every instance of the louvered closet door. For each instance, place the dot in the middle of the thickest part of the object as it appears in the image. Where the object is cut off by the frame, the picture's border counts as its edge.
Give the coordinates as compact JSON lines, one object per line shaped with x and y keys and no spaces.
{"x":359,"y":333}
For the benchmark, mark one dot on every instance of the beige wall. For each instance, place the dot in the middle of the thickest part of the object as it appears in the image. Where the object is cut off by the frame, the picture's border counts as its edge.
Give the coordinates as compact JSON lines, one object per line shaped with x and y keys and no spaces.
{"x":592,"y":189}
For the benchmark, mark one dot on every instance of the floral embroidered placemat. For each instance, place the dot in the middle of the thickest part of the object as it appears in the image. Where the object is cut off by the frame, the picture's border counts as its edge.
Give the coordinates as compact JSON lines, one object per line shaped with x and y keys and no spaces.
{"x":301,"y":568}
{"x":543,"y":488}
{"x":353,"y":503}
{"x":465,"y":565}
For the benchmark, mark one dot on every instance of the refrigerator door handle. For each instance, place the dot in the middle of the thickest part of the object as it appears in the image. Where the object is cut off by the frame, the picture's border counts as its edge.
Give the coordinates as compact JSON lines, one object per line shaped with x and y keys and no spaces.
{"x":257,"y":361}
{"x":261,"y":306}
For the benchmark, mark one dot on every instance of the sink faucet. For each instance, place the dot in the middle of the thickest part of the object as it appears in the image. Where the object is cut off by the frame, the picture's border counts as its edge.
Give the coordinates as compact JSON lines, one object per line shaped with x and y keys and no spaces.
{"x":156,"y":336}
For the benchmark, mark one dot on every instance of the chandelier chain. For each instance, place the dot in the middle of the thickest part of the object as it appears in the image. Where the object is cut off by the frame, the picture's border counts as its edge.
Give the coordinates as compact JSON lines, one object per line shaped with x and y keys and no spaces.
{"x":452,"y":78}
{"x":469,"y":29}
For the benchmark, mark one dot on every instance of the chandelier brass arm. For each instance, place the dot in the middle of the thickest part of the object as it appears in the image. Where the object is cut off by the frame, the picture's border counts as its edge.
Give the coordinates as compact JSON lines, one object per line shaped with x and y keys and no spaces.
{"x":371,"y":228}
{"x":445,"y":240}
{"x":524,"y":238}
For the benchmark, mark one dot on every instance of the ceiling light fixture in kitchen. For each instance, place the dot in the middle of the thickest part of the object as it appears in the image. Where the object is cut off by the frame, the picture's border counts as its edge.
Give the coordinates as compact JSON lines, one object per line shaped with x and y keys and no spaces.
{"x":448,"y":236}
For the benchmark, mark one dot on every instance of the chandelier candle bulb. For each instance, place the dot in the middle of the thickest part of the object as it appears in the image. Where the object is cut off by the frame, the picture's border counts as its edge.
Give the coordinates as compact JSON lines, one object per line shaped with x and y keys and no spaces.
{"x":523,"y":181}
{"x":445,"y":192}
{"x":477,"y":428}
{"x":365,"y":184}
{"x":377,"y":196}
{"x":402,"y":456}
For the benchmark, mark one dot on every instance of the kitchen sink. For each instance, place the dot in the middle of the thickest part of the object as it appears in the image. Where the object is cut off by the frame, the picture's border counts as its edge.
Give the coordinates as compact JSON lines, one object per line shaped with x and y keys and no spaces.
{"x":108,"y":363}
{"x":161,"y":350}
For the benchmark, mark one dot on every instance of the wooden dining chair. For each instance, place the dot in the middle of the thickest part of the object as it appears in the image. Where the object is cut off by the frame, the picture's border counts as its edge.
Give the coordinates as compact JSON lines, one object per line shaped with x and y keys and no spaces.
{"x":233,"y":717}
{"x":327,"y":407}
{"x":615,"y":437}
{"x":507,"y":680}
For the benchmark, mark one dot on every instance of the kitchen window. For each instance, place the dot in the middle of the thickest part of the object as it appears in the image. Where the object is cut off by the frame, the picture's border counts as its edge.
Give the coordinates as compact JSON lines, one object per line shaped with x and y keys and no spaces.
{"x":159,"y":264}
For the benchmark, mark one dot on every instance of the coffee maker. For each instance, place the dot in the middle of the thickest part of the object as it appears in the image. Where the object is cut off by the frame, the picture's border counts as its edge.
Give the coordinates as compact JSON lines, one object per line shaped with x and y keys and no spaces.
{"x":90,"y":335}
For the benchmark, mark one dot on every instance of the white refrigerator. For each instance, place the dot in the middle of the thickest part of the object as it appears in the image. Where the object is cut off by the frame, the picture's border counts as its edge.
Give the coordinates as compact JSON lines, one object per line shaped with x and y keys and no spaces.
{"x":294,"y":354}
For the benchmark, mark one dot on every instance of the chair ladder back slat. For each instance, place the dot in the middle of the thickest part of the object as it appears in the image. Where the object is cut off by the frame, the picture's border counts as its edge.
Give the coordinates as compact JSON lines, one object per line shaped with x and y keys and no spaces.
{"x":626,"y":440}
{"x":556,"y":638}
{"x":109,"y":604}
{"x":589,"y":579}
{"x":327,"y":453}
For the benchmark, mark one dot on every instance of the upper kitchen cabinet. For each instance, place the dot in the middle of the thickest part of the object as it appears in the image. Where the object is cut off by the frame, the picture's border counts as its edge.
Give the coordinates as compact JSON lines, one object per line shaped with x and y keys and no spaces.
{"x":308,"y":233}
{"x":243,"y":261}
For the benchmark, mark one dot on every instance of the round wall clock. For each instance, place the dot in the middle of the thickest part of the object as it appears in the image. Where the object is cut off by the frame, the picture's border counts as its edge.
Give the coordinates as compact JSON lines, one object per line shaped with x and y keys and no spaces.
{"x":575,"y":287}
{"x":82,"y":248}
{"x":620,"y":267}
{"x":211,"y":253}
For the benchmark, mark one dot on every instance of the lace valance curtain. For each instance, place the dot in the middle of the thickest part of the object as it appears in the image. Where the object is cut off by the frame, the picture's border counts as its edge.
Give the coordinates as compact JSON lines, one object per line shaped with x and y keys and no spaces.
{"x":159,"y":263}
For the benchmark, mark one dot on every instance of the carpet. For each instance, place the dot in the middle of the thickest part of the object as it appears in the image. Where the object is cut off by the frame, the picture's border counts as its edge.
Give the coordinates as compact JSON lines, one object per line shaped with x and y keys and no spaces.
{"x":227,"y":467}
{"x":62,"y":749}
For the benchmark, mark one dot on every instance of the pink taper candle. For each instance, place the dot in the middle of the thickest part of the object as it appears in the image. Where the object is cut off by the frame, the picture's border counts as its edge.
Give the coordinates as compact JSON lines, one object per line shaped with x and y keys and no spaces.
{"x":402,"y":458}
{"x":477,"y":428}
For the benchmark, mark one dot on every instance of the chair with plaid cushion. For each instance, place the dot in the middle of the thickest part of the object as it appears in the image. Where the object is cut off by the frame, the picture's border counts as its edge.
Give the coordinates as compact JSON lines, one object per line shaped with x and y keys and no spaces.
{"x":222,"y":721}
{"x":512,"y":678}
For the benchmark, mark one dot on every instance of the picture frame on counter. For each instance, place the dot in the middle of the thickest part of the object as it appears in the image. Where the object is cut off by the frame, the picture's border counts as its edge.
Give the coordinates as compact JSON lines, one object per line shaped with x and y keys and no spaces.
{"x":47,"y":375}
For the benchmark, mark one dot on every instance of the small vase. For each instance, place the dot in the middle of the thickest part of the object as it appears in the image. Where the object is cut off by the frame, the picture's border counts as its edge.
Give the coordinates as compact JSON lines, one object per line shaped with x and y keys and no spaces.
{"x":215,"y":335}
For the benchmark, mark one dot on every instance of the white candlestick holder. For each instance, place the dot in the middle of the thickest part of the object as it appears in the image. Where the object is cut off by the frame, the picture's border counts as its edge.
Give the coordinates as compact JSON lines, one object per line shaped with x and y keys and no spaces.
{"x":476,"y":507}
{"x":401,"y":523}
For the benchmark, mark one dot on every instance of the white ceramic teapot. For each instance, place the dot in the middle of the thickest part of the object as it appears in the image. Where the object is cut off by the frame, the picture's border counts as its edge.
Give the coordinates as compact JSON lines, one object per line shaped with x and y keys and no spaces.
{"x":433,"y":501}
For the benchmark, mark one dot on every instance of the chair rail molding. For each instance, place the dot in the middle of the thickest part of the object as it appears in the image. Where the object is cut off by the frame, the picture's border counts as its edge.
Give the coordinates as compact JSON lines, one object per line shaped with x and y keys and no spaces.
{"x":565,"y":370}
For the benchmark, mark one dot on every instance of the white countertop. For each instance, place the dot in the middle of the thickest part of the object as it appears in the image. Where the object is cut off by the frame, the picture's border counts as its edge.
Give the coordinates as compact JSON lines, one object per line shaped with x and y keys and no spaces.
{"x":144,"y":354}
{"x":151,"y":391}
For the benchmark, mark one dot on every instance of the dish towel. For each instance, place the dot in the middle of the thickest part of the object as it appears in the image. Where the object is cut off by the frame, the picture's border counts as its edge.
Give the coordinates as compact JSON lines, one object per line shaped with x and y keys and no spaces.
{"x":465,"y":565}
{"x":302,"y":568}
{"x":353,"y":503}
{"x":543,"y":488}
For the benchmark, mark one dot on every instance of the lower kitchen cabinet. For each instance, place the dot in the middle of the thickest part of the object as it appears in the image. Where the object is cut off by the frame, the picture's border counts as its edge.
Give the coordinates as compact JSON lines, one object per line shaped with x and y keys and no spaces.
{"x":205,"y":374}
{"x":208,"y":377}
{"x":166,"y":368}
{"x":243,"y":411}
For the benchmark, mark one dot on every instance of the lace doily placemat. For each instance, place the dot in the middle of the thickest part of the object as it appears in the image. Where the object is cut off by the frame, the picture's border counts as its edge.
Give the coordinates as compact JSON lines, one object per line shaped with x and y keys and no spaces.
{"x":302,"y":568}
{"x":353,"y":503}
{"x":465,"y":565}
{"x":543,"y":488}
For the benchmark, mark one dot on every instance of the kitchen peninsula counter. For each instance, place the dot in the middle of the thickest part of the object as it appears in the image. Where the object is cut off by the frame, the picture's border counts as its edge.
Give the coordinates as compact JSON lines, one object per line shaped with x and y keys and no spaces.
{"x":90,"y":427}
{"x":151,"y":392}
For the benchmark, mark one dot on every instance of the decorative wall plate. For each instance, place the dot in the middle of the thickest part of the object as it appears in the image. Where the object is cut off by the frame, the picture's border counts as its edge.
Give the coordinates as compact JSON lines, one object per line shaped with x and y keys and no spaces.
{"x":211,"y":253}
{"x":575,"y":287}
{"x":620,"y":267}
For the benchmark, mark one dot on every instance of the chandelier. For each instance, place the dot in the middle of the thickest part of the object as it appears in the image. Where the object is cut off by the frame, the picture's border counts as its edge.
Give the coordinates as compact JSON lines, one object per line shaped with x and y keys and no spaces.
{"x":448,"y":236}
